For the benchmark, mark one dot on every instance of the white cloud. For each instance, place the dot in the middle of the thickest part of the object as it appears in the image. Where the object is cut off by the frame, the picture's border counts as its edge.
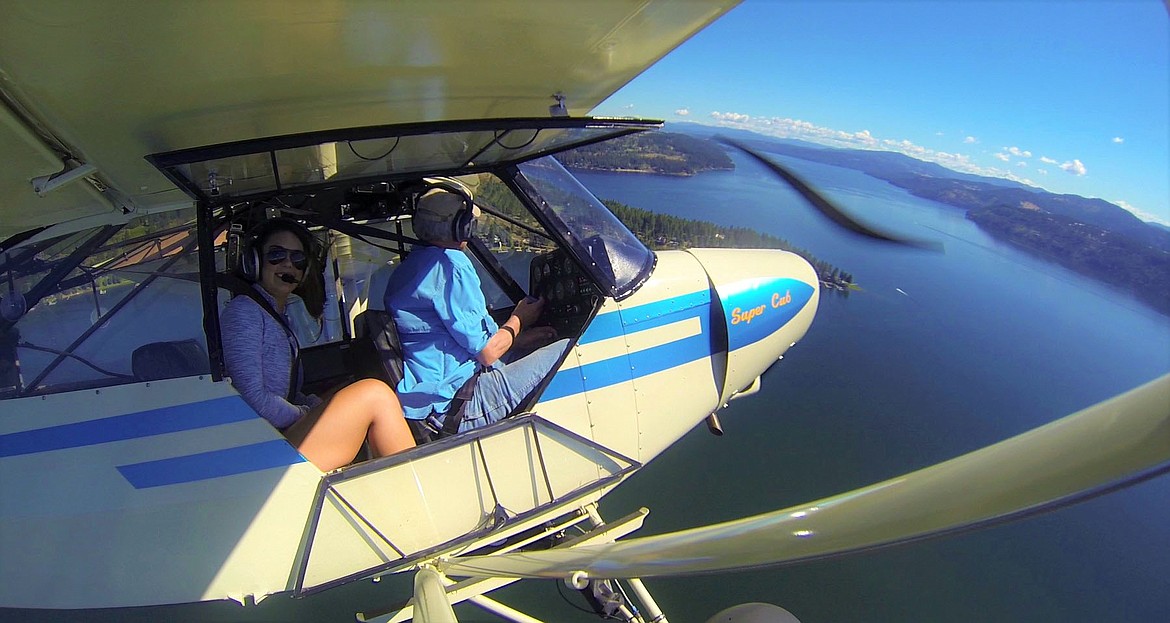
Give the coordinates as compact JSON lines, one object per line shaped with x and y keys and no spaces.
{"x":733,"y":117}
{"x":782,"y":127}
{"x":865,"y":138}
{"x":682,"y":112}
{"x":1142,"y":214}
{"x":1076,"y":167}
{"x":1118,"y":140}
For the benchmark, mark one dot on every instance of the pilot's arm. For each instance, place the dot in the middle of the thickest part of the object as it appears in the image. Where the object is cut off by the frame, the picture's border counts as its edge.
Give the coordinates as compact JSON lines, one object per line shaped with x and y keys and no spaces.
{"x":523,"y":316}
{"x":464,"y":312}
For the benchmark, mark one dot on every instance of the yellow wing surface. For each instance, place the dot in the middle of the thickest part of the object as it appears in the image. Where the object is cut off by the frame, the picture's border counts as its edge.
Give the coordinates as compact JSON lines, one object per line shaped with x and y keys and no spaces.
{"x":105,"y":83}
{"x":1120,"y":441}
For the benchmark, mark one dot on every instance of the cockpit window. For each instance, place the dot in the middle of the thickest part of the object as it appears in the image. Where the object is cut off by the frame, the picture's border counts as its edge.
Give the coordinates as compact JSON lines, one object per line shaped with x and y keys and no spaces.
{"x":221,"y":174}
{"x":618,"y":260}
{"x":105,"y":306}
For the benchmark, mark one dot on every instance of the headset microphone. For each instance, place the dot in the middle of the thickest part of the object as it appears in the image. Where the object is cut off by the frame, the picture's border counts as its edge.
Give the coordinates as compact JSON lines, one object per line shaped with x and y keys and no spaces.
{"x":288,"y":278}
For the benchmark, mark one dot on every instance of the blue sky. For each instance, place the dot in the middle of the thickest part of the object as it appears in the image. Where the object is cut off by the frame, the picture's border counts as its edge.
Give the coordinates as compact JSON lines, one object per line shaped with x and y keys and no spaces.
{"x":1073,"y":97}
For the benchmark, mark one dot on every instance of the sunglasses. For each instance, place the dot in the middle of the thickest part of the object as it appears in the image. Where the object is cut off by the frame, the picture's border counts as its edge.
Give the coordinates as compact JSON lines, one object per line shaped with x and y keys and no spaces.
{"x":276,"y":254}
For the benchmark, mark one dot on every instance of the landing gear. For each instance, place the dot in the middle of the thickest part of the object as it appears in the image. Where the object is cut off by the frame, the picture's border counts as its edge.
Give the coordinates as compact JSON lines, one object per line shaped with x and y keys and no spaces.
{"x":609,"y":600}
{"x":608,"y":597}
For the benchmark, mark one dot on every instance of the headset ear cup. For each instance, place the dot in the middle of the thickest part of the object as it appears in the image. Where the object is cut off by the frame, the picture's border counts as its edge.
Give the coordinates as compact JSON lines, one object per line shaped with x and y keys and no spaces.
{"x":461,"y":225}
{"x":250,"y":263}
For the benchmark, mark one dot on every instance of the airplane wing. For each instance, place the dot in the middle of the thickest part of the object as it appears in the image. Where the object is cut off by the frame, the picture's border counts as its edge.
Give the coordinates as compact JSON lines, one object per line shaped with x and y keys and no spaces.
{"x":1118,"y":442}
{"x":89,"y":88}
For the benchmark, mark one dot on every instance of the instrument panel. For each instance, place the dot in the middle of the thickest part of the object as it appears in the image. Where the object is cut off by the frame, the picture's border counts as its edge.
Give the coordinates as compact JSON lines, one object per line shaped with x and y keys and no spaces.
{"x":570,"y":296}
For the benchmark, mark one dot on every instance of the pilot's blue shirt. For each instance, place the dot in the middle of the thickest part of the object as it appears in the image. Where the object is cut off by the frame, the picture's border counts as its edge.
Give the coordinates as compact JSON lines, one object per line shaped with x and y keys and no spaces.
{"x":435,"y":299}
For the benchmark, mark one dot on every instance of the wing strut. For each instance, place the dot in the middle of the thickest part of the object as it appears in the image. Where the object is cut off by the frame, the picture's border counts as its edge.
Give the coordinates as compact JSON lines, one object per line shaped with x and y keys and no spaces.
{"x":430,"y":598}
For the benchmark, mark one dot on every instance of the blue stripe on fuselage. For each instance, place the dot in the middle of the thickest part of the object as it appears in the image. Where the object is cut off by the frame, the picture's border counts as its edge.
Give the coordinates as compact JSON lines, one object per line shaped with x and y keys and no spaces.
{"x":172,"y":419}
{"x":215,"y":464}
{"x":644,"y":362}
{"x":756,"y":308}
{"x":648,"y":316}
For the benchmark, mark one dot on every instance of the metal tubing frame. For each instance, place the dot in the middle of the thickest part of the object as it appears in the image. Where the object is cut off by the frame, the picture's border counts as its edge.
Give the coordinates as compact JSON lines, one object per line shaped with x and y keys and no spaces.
{"x":204,"y":223}
{"x":654,"y":613}
{"x":168,"y":163}
{"x":467,"y":589}
{"x":532,"y":422}
{"x":102,"y":318}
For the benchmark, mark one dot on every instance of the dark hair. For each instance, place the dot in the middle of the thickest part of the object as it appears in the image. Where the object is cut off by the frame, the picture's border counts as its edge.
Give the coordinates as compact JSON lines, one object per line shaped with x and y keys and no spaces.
{"x":312,"y":286}
{"x":262,"y":232}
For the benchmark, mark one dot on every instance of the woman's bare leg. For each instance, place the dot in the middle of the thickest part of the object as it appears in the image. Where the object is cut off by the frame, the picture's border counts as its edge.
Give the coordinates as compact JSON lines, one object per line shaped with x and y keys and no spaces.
{"x":331,"y":434}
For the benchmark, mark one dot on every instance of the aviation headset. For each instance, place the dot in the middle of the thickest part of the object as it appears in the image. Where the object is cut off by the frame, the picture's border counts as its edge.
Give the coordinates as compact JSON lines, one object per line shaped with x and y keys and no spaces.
{"x":458,"y":226}
{"x":251,"y":253}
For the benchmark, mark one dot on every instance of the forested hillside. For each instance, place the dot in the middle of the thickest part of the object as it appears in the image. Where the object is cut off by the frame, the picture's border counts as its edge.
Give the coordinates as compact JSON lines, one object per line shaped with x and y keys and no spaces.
{"x":662,"y":231}
{"x":655,"y":230}
{"x":663,"y":153}
{"x":1114,"y":258}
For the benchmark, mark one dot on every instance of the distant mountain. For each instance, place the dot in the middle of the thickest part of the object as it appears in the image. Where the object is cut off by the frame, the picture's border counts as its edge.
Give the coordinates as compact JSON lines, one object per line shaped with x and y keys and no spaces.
{"x":885,"y":165}
{"x":1097,"y":212}
{"x":1090,"y":236}
{"x":962,"y":190}
{"x":1107,"y":256}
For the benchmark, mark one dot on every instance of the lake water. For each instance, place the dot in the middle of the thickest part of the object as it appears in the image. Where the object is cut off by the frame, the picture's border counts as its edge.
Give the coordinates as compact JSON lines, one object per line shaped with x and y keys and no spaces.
{"x":985,"y":343}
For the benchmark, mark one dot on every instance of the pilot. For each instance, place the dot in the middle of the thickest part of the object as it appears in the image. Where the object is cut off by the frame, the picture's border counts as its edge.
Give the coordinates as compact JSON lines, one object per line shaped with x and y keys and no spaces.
{"x":261,"y":356}
{"x":461,"y":369}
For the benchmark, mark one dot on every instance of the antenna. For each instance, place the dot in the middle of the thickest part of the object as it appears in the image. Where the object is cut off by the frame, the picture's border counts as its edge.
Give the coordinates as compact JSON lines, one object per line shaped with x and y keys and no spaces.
{"x":558,"y":109}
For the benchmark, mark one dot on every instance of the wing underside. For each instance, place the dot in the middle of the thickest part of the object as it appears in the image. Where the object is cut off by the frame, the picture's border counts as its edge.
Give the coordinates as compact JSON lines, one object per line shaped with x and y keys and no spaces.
{"x":104,"y":84}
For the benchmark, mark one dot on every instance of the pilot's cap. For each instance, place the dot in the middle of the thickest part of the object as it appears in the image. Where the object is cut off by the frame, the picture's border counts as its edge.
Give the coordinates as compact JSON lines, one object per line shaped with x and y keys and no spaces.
{"x":442,"y":215}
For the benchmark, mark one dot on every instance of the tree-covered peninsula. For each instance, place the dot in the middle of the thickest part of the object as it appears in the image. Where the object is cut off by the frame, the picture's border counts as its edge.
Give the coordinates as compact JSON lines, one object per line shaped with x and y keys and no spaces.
{"x":663,"y":153}
{"x":655,"y":230}
{"x":679,"y":154}
{"x":662,"y":231}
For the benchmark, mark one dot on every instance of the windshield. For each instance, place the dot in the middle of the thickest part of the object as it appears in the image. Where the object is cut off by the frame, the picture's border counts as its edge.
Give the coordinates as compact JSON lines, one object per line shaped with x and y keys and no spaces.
{"x":618,"y":261}
{"x":101,"y":306}
{"x":227,"y":173}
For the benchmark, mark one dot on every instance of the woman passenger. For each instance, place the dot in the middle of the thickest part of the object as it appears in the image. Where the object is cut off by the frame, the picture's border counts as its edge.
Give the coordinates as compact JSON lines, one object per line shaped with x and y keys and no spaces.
{"x":259,"y":352}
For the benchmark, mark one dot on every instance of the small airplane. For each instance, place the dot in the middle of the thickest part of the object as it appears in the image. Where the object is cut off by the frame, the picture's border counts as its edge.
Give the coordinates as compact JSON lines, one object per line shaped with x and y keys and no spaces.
{"x":141,"y":140}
